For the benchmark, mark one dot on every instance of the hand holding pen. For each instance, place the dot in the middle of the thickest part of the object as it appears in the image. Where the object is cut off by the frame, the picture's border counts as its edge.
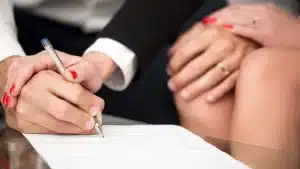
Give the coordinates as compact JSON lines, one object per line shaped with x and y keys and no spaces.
{"x":29,"y":72}
{"x":71,"y":74}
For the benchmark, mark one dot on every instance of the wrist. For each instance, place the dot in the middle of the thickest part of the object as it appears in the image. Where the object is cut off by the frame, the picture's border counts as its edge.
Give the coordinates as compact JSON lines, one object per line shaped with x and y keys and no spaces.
{"x":105,"y":64}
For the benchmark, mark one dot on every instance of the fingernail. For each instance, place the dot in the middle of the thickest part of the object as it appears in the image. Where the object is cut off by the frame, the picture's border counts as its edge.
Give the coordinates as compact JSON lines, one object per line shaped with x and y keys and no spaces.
{"x":4,"y":99}
{"x":185,"y":95}
{"x":210,"y":98}
{"x":12,"y":88}
{"x":90,"y":124}
{"x":228,"y":26}
{"x":172,"y":86}
{"x":8,"y":100}
{"x":209,"y":20}
{"x":94,"y":111}
{"x":74,"y":74}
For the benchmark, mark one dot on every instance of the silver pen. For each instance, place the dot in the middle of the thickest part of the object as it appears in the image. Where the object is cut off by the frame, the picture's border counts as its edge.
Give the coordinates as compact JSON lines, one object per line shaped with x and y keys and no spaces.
{"x":49,"y":48}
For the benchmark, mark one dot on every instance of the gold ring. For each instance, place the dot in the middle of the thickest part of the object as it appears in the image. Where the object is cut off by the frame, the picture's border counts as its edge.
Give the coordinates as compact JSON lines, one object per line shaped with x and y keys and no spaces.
{"x":223,"y":68}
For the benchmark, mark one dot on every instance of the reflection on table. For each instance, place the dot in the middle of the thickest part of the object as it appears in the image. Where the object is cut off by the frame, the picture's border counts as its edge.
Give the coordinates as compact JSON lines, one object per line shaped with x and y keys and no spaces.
{"x":17,"y":153}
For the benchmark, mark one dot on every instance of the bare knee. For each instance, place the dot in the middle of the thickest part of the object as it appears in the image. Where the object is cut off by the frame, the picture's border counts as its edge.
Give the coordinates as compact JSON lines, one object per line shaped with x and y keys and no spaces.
{"x":210,"y":121}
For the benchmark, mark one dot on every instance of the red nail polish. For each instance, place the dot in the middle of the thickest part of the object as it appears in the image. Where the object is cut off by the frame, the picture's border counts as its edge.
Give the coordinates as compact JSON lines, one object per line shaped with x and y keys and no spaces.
{"x":74,"y":74}
{"x":12,"y":89}
{"x":7,"y":101}
{"x":209,"y":20}
{"x":4,"y":98}
{"x":228,"y":26}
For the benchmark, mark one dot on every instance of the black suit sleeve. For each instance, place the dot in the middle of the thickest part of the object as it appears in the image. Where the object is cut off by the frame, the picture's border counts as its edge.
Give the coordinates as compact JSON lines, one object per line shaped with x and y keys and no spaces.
{"x":144,"y":26}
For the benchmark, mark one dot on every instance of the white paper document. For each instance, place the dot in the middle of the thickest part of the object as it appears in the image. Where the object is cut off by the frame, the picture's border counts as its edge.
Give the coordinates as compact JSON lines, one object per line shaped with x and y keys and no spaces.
{"x":132,"y":147}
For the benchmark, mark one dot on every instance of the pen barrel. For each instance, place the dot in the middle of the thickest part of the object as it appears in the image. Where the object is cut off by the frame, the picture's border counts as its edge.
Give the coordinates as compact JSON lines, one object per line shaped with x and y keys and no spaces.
{"x":56,"y":59}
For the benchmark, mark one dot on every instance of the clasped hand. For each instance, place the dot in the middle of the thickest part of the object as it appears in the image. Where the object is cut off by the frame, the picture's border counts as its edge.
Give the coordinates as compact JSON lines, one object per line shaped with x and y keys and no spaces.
{"x":39,"y":100}
{"x":206,"y":59}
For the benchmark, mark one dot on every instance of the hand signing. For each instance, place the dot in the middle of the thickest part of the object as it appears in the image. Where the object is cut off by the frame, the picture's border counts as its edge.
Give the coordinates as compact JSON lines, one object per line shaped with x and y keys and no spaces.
{"x":50,"y":104}
{"x":89,"y":71}
{"x":85,"y":76}
{"x":206,"y":59}
{"x":266,"y":24}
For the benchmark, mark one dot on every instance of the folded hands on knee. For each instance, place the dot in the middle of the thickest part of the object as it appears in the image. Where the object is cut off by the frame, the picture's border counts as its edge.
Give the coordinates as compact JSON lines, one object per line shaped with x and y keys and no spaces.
{"x":39,"y":100}
{"x":208,"y":56}
{"x":206,"y":59}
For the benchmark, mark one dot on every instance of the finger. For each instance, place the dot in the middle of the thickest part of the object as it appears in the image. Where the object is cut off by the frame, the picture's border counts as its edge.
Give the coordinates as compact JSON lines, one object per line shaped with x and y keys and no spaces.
{"x":206,"y":82}
{"x":8,"y":100}
{"x":64,"y":111}
{"x":195,"y":68}
{"x":223,"y":88}
{"x":188,"y":51}
{"x":37,"y":116}
{"x":238,"y":8}
{"x":77,"y":95}
{"x":36,"y":64}
{"x":186,"y":38}
{"x":247,"y":32}
{"x":83,"y":71}
{"x":239,"y":19}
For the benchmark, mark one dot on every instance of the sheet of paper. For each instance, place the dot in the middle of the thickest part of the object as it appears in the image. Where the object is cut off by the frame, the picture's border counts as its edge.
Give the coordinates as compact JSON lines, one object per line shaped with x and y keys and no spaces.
{"x":132,"y":147}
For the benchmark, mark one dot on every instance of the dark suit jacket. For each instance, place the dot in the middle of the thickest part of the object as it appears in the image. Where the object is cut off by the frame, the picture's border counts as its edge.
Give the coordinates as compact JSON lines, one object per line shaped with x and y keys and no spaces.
{"x":146,"y":25}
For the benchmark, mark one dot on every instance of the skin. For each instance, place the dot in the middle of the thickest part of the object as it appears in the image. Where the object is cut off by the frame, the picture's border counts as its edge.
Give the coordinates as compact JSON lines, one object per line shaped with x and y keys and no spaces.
{"x":193,"y":70}
{"x":258,"y":122}
{"x":274,"y":27}
{"x":48,"y":108}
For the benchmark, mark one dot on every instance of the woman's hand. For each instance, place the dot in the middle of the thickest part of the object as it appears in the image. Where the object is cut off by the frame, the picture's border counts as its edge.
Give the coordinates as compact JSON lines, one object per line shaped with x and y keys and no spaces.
{"x":266,"y":24}
{"x":89,"y":70}
{"x":23,"y":68}
{"x":206,"y":58}
{"x":48,"y":103}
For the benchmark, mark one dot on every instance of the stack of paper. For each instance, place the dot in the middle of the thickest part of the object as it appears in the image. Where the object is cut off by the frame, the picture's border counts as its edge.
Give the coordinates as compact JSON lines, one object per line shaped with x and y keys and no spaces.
{"x":132,"y":147}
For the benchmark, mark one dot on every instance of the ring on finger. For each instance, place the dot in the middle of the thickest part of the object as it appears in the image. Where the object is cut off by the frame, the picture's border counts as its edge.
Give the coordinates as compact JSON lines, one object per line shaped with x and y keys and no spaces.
{"x":223,"y":69}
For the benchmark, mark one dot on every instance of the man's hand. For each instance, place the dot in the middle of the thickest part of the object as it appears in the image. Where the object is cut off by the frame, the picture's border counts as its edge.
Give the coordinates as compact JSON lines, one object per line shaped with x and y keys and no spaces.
{"x":206,"y":59}
{"x":49,"y":104}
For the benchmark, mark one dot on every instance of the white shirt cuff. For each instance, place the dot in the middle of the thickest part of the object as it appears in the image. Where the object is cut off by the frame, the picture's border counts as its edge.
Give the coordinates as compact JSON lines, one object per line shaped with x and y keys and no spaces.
{"x":124,"y":58}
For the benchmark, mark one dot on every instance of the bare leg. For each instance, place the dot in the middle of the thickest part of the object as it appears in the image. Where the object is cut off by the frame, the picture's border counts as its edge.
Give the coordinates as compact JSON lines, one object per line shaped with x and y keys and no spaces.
{"x":210,"y":121}
{"x":267,"y":110}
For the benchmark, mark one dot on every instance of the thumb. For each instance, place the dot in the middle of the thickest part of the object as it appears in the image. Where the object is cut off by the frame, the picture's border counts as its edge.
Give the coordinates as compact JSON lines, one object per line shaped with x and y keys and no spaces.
{"x":84,"y":73}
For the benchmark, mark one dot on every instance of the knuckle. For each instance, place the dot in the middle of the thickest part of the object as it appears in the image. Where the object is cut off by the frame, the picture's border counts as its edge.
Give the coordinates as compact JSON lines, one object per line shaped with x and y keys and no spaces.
{"x":61,"y":112}
{"x":214,"y":32}
{"x":226,"y":45}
